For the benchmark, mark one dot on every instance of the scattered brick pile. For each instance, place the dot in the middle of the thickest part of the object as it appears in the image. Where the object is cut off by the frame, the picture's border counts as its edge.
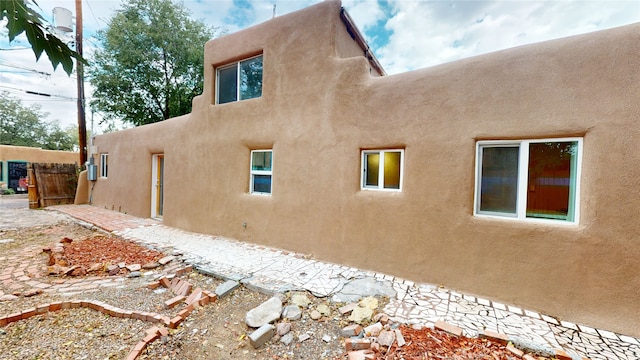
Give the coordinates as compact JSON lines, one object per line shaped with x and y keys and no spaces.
{"x":100,"y":255}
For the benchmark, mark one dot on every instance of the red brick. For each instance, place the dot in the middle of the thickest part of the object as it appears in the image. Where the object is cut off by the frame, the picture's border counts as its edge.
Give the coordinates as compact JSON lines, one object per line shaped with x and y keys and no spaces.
{"x":561,"y":355}
{"x":76,"y":304}
{"x":28,"y":313}
{"x":357,"y":344}
{"x":55,"y":306}
{"x":165,"y":282}
{"x":133,"y":355}
{"x":175,"y":322}
{"x":163,"y":331}
{"x":495,"y":337}
{"x":194,"y":297}
{"x":184,"y":270}
{"x":154,"y":285}
{"x":13,"y":317}
{"x":3,"y":321}
{"x":452,"y":329}
{"x":175,"y":282}
{"x":184,"y":313}
{"x":149,"y":338}
{"x":140,"y":346}
{"x":174,"y":301}
{"x":347,"y":308}
{"x":528,"y":357}
{"x":41,"y":309}
{"x":65,"y":305}
{"x":515,"y":351}
{"x":204,"y":300}
{"x":352,"y":330}
{"x":137,"y":315}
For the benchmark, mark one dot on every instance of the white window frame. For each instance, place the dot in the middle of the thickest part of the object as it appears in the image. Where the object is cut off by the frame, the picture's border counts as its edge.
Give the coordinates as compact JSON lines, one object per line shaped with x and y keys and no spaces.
{"x":104,"y":165}
{"x":237,"y":66}
{"x":522,"y":183}
{"x":253,"y":173}
{"x":363,"y":170}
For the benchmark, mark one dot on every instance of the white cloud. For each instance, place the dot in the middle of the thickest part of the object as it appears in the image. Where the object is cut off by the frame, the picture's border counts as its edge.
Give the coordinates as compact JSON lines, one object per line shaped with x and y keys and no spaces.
{"x":430,"y":33}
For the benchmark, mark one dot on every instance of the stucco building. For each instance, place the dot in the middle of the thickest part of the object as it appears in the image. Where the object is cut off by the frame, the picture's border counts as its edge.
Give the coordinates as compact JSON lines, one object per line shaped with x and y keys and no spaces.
{"x":14,"y":161}
{"x":513,"y":175}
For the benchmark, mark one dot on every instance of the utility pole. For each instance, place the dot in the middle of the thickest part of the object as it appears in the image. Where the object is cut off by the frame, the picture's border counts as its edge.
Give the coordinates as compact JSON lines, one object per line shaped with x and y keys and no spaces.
{"x":82,"y":124}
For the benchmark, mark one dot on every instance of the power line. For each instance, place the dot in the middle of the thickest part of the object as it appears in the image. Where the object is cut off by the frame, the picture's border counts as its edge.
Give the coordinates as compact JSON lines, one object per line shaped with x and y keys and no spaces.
{"x":31,"y":92}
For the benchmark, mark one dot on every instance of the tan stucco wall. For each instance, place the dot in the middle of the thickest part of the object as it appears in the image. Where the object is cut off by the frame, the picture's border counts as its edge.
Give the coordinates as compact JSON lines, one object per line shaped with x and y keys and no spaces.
{"x":37,"y":155}
{"x":319,"y":110}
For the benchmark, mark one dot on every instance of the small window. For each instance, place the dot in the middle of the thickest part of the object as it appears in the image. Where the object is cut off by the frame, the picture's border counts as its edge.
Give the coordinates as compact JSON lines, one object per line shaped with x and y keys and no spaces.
{"x":240,"y":81}
{"x":382,"y":169}
{"x":529,"y":179}
{"x":261,"y":171}
{"x":104,"y":165}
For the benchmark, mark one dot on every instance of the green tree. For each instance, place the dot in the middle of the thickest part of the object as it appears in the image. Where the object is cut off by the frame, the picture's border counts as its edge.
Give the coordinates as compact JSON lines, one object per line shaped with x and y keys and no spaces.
{"x":22,"y":19}
{"x":24,"y":126}
{"x":150,"y":64}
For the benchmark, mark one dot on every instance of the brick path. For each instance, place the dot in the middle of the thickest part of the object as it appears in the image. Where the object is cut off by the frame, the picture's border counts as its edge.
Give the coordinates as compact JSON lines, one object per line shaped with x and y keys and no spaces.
{"x":422,"y":304}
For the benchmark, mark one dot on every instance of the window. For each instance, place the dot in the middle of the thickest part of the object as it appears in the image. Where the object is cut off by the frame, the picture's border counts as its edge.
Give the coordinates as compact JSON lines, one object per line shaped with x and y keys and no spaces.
{"x":240,"y":81}
{"x":529,"y":179}
{"x":382,"y":169}
{"x":261,"y":171}
{"x":104,"y":165}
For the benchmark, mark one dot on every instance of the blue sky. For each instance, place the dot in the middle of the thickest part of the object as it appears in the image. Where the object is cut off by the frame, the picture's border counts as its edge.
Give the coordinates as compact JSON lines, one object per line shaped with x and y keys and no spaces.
{"x":404,"y":34}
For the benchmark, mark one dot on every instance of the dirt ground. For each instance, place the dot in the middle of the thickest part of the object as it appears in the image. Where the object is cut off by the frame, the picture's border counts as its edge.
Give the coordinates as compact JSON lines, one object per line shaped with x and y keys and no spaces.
{"x":213,"y":331}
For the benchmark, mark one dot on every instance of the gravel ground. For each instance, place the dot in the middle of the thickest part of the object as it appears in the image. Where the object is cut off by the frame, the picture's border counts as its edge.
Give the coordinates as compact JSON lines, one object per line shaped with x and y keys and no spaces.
{"x":213,"y":331}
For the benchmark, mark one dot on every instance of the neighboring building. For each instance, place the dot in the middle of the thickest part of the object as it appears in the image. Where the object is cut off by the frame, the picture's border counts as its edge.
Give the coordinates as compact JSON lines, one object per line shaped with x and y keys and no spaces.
{"x":513,"y":175}
{"x":14,"y":161}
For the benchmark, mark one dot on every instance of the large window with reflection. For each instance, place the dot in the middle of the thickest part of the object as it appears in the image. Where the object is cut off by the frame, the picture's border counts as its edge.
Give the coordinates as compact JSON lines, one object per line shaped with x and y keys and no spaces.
{"x":239,"y":81}
{"x":529,"y":179}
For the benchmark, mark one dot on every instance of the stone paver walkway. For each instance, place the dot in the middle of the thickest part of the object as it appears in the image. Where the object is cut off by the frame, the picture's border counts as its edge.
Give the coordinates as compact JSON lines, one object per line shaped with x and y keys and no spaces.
{"x":273,"y":270}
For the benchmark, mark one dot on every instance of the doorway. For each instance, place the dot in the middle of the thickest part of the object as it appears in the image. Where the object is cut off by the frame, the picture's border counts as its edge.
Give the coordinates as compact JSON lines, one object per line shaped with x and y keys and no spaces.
{"x":157,"y":186}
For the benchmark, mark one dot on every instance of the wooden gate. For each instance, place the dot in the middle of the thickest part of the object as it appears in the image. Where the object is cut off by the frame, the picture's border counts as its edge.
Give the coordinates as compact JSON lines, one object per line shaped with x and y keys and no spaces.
{"x":52,"y":184}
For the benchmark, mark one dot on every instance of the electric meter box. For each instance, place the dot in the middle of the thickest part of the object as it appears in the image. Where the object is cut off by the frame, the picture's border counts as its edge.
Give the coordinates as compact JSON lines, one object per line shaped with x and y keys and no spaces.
{"x":92,"y":172}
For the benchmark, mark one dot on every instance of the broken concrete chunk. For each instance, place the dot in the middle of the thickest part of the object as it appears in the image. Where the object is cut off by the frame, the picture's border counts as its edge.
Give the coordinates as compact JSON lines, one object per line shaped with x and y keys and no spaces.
{"x":315,"y":315}
{"x":167,"y":259}
{"x":264,"y":313}
{"x":352,"y":330}
{"x":326,"y":338}
{"x":360,"y":315}
{"x":386,"y":338}
{"x":304,"y":337}
{"x":324,"y":310}
{"x":399,"y":338}
{"x":134,"y":267}
{"x":261,"y":336}
{"x":150,"y":265}
{"x":373,"y":329}
{"x":300,"y":299}
{"x":287,"y":339}
{"x":292,"y":312}
{"x":283,"y":328}
{"x":226,"y":288}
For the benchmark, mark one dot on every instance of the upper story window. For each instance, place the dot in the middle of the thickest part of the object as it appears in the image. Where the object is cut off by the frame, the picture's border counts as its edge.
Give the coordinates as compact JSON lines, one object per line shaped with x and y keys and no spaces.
{"x":261,"y":171}
{"x":239,"y":81}
{"x":382,"y":169}
{"x":529,"y":179}
{"x":104,"y":165}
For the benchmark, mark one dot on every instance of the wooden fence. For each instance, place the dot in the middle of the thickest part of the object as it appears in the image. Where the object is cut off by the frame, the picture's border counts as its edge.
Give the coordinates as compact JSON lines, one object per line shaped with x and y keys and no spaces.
{"x":51,"y":184}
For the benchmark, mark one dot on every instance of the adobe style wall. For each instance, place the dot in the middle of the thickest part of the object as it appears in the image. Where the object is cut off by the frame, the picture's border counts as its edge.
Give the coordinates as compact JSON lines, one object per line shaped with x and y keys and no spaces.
{"x":37,"y":155}
{"x":33,"y":155}
{"x":320,"y":107}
